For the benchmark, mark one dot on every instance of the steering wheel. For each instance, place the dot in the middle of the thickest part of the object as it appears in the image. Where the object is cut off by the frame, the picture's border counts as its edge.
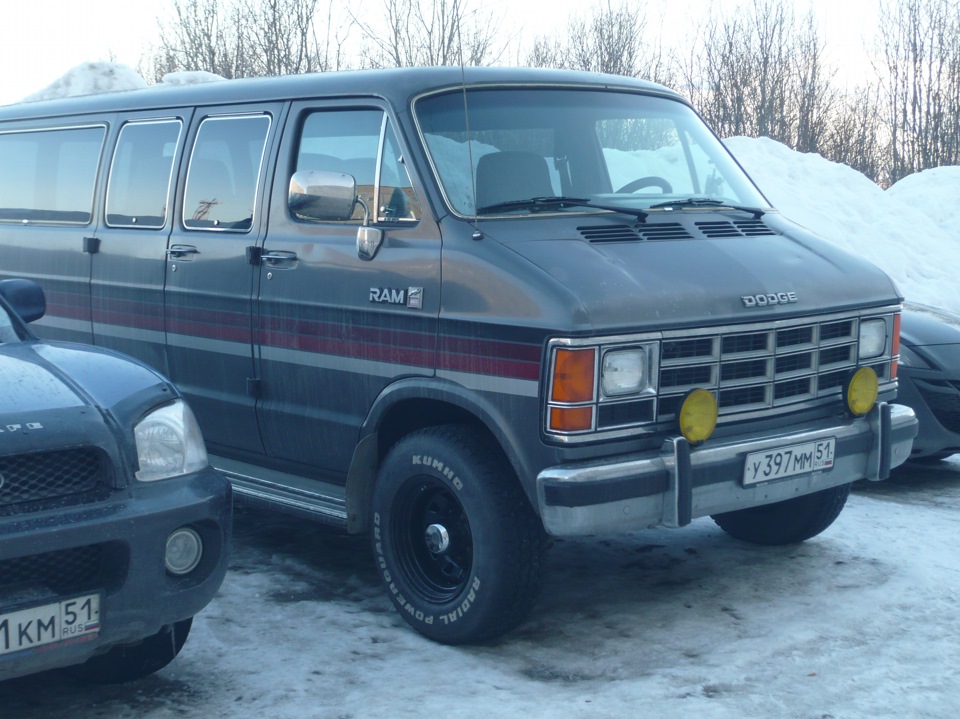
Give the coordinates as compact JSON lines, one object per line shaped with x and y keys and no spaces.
{"x":649,"y":181}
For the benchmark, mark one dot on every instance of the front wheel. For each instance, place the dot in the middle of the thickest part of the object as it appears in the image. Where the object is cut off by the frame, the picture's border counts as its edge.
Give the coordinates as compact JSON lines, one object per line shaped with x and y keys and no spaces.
{"x":454,"y":537}
{"x":787,"y":522}
{"x":123,"y":664}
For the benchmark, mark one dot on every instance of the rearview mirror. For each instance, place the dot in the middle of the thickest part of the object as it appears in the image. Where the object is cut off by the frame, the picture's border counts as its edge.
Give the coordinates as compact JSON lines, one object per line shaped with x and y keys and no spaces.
{"x":319,"y":195}
{"x":26,"y":297}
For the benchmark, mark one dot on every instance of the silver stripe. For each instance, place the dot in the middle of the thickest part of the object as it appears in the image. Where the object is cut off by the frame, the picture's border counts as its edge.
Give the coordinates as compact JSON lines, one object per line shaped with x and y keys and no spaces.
{"x":101,"y":329}
{"x":63,"y":323}
{"x":489,"y":383}
{"x":238,"y":349}
{"x":343,"y":364}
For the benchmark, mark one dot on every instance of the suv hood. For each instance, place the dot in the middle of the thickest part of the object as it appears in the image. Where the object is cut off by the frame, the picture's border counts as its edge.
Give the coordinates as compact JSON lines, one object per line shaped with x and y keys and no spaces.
{"x":700,"y":279}
{"x":41,"y":376}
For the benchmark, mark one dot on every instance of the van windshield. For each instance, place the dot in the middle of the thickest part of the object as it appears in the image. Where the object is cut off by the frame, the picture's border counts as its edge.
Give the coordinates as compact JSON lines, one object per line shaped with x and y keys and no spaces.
{"x":641,"y":152}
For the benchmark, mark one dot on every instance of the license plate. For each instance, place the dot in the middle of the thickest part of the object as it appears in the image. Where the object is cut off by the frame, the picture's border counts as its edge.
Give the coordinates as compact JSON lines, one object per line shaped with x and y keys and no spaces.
{"x":788,"y":461}
{"x":49,"y":624}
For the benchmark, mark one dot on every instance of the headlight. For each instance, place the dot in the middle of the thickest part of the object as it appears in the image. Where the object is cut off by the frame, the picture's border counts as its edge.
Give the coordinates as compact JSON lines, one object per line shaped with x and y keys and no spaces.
{"x":873,"y":338}
{"x":169,"y":443}
{"x":624,"y":372}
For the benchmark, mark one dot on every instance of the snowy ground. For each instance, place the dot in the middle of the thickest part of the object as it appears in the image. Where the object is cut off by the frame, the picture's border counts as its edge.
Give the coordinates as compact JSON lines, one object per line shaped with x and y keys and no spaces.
{"x":861,"y":621}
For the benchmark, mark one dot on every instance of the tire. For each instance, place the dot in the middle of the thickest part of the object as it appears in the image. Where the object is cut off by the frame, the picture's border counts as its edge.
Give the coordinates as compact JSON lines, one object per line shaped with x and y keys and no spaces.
{"x":455,"y":539}
{"x":788,"y":522}
{"x":126,"y":663}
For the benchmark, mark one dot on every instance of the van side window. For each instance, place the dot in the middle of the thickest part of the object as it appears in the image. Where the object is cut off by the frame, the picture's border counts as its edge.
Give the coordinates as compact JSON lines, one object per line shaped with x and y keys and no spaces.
{"x":49,"y":175}
{"x":358,"y":142}
{"x":139,"y":185}
{"x":224,"y":173}
{"x":398,"y":203}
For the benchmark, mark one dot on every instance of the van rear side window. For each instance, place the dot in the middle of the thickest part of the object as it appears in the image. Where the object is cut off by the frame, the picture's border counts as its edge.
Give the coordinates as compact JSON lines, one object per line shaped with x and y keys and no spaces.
{"x":224,"y":173}
{"x":139,"y":186}
{"x":48,"y":176}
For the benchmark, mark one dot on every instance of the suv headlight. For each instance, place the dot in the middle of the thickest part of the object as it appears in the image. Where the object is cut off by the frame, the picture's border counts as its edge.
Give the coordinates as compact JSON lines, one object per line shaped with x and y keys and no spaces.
{"x":169,"y":443}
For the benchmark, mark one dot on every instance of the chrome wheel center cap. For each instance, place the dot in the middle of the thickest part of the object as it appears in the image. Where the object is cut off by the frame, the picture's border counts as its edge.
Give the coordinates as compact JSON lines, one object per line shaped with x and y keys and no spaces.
{"x":438,"y":539}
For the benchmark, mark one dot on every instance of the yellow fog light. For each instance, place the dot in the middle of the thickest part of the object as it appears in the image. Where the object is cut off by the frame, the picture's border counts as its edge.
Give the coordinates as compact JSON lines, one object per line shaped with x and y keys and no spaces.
{"x":698,"y":415}
{"x":862,"y":390}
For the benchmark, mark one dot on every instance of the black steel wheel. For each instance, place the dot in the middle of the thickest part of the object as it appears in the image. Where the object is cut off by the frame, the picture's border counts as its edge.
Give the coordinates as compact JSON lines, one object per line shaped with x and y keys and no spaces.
{"x":455,"y":538}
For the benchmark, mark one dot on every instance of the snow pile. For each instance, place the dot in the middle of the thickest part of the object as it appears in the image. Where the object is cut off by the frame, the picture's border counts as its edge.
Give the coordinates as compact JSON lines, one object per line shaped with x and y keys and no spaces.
{"x":895,"y":229}
{"x":193,"y":77}
{"x":935,"y":190}
{"x":90,"y":78}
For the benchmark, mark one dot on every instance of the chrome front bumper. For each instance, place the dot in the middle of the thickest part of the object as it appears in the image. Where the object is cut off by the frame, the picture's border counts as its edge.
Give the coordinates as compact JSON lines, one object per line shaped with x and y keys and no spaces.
{"x":678,"y":483}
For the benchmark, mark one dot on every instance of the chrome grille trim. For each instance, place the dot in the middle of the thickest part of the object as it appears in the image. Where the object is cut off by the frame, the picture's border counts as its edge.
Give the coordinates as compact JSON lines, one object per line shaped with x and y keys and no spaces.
{"x":759,"y":369}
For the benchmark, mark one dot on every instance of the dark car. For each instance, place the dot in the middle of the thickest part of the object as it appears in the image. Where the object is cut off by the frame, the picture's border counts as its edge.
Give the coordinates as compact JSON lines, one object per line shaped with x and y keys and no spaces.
{"x":113,"y":527}
{"x":930,"y":378}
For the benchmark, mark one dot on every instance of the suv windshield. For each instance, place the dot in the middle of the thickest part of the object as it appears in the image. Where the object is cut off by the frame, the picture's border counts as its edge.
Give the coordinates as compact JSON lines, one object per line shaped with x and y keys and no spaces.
{"x":604,"y":147}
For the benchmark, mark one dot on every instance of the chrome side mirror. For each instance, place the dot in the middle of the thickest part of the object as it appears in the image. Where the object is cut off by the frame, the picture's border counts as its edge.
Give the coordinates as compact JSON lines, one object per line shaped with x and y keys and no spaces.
{"x":319,"y":195}
{"x":369,"y":238}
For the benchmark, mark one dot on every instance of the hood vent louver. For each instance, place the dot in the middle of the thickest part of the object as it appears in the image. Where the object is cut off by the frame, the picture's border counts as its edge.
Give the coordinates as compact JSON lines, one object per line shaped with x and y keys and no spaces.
{"x":673,"y":231}
{"x":742,"y":228}
{"x":626,"y":233}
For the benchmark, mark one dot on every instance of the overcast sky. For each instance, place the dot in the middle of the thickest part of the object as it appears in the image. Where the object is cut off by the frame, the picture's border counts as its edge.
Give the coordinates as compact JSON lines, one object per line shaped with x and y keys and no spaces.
{"x":41,"y":39}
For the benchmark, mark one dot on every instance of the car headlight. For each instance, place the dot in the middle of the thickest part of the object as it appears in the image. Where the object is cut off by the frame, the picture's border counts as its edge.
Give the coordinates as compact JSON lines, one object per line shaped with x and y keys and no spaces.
{"x":873,"y":338}
{"x":169,"y":443}
{"x":624,"y":372}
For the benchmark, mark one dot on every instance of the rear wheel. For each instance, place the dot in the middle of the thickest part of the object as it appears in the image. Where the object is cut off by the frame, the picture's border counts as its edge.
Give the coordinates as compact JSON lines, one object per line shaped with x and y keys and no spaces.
{"x":455,"y":539}
{"x":787,"y":522}
{"x":123,"y":664}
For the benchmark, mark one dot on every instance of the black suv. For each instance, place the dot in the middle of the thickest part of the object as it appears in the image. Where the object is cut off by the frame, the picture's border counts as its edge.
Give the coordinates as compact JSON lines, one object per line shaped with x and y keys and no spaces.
{"x":113,"y":527}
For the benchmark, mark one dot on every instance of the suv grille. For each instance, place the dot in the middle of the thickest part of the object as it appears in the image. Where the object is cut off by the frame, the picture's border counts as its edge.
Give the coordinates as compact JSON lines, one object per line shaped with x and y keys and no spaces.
{"x":30,"y":478}
{"x":762,"y":369}
{"x":64,"y":571}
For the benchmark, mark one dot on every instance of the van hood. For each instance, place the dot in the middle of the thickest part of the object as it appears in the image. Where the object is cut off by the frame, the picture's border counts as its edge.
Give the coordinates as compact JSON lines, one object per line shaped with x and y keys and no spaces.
{"x":699,"y":280}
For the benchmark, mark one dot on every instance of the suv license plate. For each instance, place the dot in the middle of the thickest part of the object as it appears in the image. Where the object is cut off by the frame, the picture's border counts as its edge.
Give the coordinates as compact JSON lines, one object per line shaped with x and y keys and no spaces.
{"x":49,"y":624}
{"x":788,"y":461}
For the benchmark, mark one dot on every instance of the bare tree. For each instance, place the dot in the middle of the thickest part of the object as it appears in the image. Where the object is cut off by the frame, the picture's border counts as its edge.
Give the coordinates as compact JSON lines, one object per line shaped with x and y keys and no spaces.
{"x":920,"y":43}
{"x":756,"y":72}
{"x":430,"y":32}
{"x":243,"y":38}
{"x":614,"y":39}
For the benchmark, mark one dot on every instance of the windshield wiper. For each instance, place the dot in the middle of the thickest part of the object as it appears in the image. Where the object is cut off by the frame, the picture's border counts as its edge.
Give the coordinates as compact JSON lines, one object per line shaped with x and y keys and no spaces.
{"x":708,"y":203}
{"x":542,"y":203}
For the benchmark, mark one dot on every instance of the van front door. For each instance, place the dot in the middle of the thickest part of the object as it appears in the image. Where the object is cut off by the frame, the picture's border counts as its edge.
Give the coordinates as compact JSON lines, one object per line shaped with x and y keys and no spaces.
{"x":209,"y":279}
{"x":335,"y":329}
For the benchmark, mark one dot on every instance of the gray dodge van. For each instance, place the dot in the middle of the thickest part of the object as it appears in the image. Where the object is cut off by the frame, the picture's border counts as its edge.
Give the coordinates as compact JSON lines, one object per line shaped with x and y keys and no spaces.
{"x":463,"y":311}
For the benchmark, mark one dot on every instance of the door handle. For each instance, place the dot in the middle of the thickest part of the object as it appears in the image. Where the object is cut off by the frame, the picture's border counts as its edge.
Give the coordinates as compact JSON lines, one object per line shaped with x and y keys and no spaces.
{"x":275,"y":258}
{"x":181,"y":251}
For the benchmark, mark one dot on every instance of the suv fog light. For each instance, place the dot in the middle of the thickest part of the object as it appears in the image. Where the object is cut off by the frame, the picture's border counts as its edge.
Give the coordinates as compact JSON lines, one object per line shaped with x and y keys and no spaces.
{"x":861,"y":391}
{"x":698,"y":415}
{"x":184,"y":549}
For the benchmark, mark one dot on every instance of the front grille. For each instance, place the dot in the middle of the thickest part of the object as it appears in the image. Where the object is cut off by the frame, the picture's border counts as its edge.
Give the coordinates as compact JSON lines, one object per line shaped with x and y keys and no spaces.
{"x":32,"y":478}
{"x":64,"y":571}
{"x":762,"y":369}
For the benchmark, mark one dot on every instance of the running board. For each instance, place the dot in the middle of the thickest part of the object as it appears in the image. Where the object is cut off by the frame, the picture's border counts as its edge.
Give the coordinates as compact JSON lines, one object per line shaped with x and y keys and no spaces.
{"x":285,"y":492}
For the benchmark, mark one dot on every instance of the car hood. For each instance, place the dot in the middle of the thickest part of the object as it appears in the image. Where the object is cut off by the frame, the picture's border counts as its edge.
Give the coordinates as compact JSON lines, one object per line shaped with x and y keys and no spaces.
{"x":41,"y":376}
{"x":697,"y":280}
{"x":924,"y":326}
